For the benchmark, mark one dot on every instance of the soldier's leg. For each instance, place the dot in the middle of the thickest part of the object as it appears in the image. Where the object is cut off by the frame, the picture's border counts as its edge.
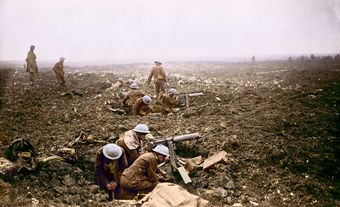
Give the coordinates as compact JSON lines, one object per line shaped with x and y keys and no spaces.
{"x":59,"y":78}
{"x":31,"y":76}
{"x":162,"y":87}
{"x":62,"y":76}
{"x":157,"y":89}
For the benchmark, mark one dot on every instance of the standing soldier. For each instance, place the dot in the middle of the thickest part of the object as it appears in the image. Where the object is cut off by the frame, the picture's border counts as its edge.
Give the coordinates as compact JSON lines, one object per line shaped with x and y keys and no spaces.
{"x":141,"y":106}
{"x":253,"y":59}
{"x":158,"y":74}
{"x":132,"y":142}
{"x":109,"y":166}
{"x":32,"y":66}
{"x":59,"y":71}
{"x":141,"y":176}
{"x":169,"y":100}
{"x":133,"y":94}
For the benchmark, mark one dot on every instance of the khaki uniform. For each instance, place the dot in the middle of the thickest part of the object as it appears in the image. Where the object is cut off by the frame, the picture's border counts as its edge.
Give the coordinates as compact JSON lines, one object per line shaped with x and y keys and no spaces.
{"x":107,"y":170}
{"x":158,"y":74}
{"x":32,"y":66}
{"x":140,"y":108}
{"x":168,"y":102}
{"x":141,"y":175}
{"x":59,"y":72}
{"x":131,"y":97}
{"x":131,"y":144}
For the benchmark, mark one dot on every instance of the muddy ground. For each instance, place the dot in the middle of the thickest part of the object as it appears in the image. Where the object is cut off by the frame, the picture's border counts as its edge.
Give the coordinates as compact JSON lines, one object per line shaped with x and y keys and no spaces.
{"x":278,"y":122}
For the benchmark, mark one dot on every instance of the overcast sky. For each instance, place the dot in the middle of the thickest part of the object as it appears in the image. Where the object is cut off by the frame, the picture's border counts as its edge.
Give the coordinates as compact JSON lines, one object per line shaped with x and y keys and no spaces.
{"x":145,"y":30}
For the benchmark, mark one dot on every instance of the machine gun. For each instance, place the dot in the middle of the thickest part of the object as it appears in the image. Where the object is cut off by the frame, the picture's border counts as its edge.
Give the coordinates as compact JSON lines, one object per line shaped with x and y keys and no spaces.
{"x":170,"y":142}
{"x":184,"y":98}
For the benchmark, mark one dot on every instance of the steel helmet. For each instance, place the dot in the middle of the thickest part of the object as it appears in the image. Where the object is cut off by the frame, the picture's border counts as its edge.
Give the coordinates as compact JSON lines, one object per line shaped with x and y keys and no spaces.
{"x":141,"y":128}
{"x":120,"y":79}
{"x":161,"y":149}
{"x":172,"y":91}
{"x":147,"y":99}
{"x":112,"y":151}
{"x":134,"y":85}
{"x":62,"y":58}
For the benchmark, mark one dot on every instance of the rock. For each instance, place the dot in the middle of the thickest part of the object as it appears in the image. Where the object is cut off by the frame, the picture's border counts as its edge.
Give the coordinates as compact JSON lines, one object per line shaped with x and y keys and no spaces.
{"x":68,"y":154}
{"x":7,"y":193}
{"x":60,"y":190}
{"x":254,"y":203}
{"x":222,"y":192}
{"x":94,"y":189}
{"x":68,"y":180}
{"x":7,"y":167}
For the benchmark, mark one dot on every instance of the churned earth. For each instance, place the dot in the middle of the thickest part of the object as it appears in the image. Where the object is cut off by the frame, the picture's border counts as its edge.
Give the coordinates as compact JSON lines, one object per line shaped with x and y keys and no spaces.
{"x":278,"y":122}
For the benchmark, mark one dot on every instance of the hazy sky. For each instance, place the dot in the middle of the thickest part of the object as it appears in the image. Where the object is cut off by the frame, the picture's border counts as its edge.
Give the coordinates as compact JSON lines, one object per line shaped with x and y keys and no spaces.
{"x":167,"y":29}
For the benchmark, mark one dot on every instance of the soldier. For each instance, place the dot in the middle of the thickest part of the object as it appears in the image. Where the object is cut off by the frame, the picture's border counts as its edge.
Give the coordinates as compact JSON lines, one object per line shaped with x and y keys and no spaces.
{"x":141,"y":106}
{"x":158,"y":74}
{"x":59,"y":71}
{"x":169,"y":100}
{"x":109,"y":166}
{"x":141,"y":176}
{"x":133,"y":94}
{"x":132,"y":142}
{"x":253,"y":59}
{"x":32,"y":66}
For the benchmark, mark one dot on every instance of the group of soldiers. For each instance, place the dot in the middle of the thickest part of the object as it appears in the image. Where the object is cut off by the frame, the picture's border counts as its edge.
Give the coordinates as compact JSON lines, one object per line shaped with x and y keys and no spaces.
{"x":32,"y":67}
{"x":136,"y":100}
{"x":126,"y":169}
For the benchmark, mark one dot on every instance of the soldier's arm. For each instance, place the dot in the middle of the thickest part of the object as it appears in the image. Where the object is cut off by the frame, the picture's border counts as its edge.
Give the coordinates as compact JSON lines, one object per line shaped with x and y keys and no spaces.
{"x":135,"y":108}
{"x":163,"y":73}
{"x":151,"y":172}
{"x":126,"y":98}
{"x":134,"y":154}
{"x":150,"y":76}
{"x":101,"y":178}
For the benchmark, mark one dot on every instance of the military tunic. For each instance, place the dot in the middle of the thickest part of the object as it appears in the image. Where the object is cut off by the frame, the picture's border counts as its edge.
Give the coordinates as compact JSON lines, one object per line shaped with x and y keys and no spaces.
{"x":131,"y":144}
{"x":132,"y":96}
{"x":32,"y":66}
{"x":158,"y":74}
{"x":168,"y":102}
{"x":140,"y":108}
{"x":141,"y":175}
{"x":107,"y":170}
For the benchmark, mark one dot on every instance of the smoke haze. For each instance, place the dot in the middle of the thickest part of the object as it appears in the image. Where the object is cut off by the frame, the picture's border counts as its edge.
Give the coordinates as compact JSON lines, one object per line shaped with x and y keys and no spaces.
{"x":134,"y":30}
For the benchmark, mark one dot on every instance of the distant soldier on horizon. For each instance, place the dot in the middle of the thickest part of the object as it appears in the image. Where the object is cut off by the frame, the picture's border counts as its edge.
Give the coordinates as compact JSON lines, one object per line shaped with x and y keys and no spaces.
{"x":253,"y":59}
{"x":158,"y":74}
{"x":32,"y":66}
{"x":59,"y":71}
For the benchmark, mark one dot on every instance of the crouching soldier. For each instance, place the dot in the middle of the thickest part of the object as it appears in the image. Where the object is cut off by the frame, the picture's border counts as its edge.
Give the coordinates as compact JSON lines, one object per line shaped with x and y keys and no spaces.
{"x":141,"y":176}
{"x":132,"y":142}
{"x":109,"y":166}
{"x":59,"y":71}
{"x":133,"y":94}
{"x":141,"y":107}
{"x":169,"y":100}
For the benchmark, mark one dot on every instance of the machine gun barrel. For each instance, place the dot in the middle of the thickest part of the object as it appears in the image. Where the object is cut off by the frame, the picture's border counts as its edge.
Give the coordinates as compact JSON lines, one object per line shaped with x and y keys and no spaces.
{"x":186,"y":137}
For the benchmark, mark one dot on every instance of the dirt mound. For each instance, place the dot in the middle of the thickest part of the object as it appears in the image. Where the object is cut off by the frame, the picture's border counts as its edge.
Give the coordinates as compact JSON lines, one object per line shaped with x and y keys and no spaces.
{"x":277,"y":121}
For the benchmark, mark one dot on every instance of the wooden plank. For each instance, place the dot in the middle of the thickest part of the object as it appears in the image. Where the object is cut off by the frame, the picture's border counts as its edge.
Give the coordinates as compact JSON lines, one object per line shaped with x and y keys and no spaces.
{"x":216,"y":158}
{"x":184,"y":175}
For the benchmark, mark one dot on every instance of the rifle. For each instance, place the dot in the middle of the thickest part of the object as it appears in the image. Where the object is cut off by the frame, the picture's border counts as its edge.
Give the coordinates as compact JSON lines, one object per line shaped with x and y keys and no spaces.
{"x":184,"y":98}
{"x":171,"y":143}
